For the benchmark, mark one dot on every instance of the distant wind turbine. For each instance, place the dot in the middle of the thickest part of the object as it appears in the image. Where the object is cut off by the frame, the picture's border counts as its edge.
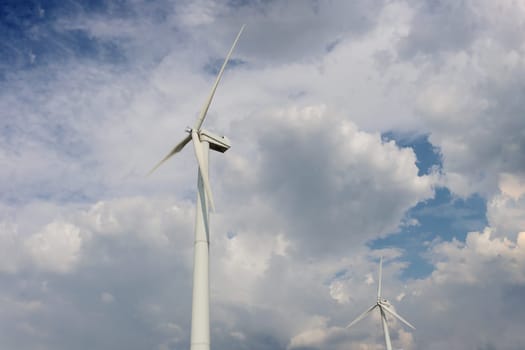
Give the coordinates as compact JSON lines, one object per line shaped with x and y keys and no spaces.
{"x":384,"y":308}
{"x":203,"y":141}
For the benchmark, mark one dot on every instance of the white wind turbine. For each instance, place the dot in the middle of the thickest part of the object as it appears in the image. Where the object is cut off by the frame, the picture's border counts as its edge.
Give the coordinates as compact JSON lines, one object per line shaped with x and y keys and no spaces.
{"x":203,"y":141}
{"x":384,"y":308}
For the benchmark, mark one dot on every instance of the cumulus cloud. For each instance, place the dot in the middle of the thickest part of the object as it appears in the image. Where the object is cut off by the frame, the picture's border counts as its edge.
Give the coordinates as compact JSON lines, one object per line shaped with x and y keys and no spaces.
{"x":316,"y":336}
{"x":495,"y":143}
{"x":314,"y":164}
{"x":474,"y":283}
{"x":465,"y":95}
{"x":505,"y":210}
{"x":501,"y":254}
{"x":57,"y":247}
{"x":102,"y":261}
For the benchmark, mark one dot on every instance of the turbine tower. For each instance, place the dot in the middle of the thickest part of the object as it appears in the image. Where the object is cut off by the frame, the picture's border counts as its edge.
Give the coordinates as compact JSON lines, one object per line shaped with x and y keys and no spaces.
{"x":384,"y":308}
{"x":203,"y":141}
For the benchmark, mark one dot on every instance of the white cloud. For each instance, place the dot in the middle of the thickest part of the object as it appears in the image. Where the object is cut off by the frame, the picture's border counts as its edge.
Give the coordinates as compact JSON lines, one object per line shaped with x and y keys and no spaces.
{"x":316,"y":336}
{"x":512,"y":186}
{"x":506,"y":214}
{"x":338,"y":292}
{"x":464,"y":261}
{"x":56,"y":248}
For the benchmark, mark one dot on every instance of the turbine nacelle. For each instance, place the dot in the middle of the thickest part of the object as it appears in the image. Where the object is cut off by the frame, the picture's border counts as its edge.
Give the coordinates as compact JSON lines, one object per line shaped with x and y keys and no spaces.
{"x":217,"y":143}
{"x":383,"y":302}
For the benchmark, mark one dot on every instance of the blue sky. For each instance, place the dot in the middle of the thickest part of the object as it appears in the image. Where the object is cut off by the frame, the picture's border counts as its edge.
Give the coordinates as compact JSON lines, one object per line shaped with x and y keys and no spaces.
{"x":359,"y":129}
{"x":29,"y":33}
{"x":444,"y":217}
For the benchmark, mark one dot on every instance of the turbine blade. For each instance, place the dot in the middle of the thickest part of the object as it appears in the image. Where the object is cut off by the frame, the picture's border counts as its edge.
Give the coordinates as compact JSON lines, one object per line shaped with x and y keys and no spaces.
{"x":380,"y":279}
{"x":203,"y":169}
{"x":388,"y":342}
{"x":393,"y":313}
{"x":360,"y":317}
{"x":204,"y":110}
{"x":175,"y":149}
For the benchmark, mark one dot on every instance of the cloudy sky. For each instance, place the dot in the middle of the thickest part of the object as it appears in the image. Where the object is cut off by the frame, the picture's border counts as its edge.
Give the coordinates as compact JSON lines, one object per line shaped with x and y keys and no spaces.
{"x":359,"y":129}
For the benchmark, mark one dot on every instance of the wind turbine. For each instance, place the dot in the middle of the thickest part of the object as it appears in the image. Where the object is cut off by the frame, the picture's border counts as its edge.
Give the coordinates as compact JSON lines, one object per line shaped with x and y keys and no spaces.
{"x":384,"y":308}
{"x":203,"y":141}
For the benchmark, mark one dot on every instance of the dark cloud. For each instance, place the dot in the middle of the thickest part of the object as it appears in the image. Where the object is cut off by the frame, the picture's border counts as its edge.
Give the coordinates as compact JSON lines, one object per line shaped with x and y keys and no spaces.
{"x":441,"y":26}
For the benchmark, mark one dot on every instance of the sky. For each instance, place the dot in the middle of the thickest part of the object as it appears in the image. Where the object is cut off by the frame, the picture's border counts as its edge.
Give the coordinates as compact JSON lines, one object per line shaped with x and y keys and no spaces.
{"x":359,"y":129}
